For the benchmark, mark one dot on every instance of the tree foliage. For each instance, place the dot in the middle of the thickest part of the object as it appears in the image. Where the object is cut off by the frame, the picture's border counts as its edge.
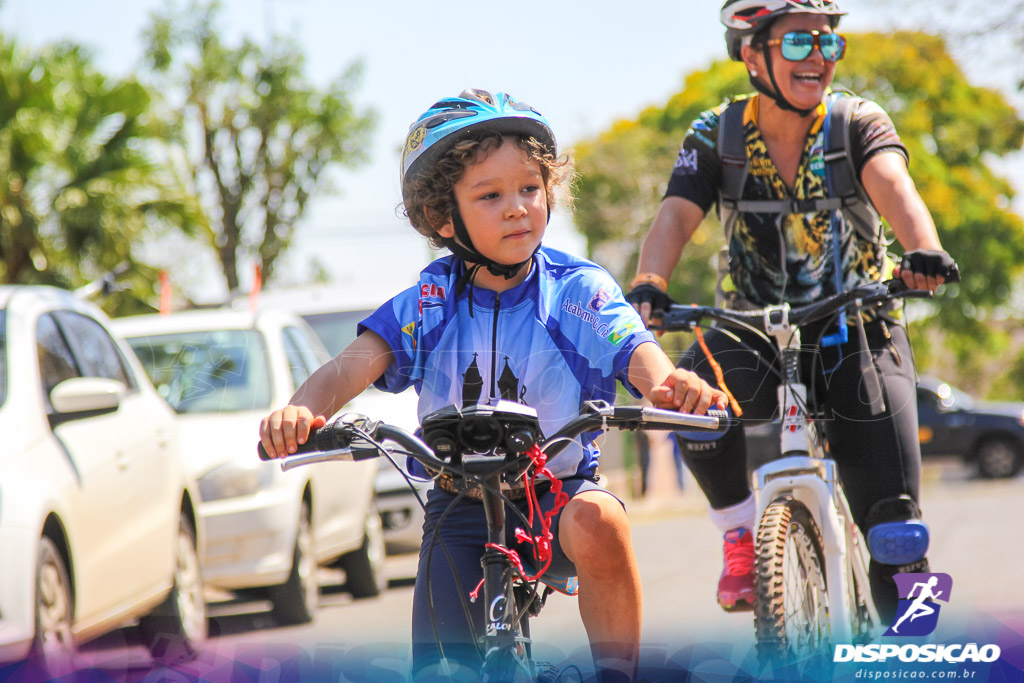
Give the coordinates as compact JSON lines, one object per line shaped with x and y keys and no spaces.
{"x":260,"y":138}
{"x":80,"y":183}
{"x":951,"y":128}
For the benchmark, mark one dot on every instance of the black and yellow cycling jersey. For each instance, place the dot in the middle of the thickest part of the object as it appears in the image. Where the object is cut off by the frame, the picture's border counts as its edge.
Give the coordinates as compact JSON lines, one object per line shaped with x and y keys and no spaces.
{"x":786,"y":257}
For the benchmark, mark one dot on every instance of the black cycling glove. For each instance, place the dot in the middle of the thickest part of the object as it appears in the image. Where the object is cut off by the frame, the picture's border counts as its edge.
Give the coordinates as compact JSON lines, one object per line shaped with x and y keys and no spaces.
{"x":931,"y":263}
{"x":647,"y":293}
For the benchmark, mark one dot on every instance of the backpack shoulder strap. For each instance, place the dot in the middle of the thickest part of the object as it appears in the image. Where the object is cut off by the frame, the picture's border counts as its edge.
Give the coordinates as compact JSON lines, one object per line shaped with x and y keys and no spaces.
{"x":732,"y":152}
{"x":844,"y":182}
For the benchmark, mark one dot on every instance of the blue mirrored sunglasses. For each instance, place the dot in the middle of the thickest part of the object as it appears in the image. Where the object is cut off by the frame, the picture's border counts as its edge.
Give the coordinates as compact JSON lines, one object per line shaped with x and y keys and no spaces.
{"x":798,"y":45}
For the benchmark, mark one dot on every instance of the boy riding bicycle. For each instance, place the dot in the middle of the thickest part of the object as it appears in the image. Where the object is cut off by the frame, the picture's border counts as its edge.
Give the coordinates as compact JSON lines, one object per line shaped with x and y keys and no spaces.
{"x":503,"y":318}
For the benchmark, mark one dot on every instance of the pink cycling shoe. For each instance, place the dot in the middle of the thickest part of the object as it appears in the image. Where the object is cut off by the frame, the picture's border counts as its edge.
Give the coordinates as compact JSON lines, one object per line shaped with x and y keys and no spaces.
{"x":736,"y":586}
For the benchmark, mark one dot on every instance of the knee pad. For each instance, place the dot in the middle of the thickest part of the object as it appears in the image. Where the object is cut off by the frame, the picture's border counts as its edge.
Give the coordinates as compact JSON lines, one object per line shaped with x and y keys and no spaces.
{"x":700,"y":444}
{"x":896,"y":535}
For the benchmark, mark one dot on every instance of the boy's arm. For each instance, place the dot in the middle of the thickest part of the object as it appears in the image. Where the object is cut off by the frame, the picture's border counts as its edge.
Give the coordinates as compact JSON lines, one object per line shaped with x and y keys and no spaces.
{"x":325,"y":392}
{"x":667,"y":386}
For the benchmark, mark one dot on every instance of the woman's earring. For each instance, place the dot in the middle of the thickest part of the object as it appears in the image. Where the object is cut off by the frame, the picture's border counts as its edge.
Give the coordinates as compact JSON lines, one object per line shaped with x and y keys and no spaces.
{"x":753,"y":72}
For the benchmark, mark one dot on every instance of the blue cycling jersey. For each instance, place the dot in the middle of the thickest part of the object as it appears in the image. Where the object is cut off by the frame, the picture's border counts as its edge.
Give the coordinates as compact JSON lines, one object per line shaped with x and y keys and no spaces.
{"x":561,"y":337}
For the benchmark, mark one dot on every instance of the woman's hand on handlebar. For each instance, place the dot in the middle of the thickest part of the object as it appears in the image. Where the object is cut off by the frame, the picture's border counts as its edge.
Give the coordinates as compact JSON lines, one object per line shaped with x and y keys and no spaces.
{"x":926,"y":269}
{"x":285,"y":429}
{"x":685,"y":392}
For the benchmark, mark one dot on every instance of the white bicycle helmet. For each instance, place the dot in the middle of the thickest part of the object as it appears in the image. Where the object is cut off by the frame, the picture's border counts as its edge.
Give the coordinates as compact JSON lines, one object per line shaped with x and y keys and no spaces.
{"x":743,"y":18}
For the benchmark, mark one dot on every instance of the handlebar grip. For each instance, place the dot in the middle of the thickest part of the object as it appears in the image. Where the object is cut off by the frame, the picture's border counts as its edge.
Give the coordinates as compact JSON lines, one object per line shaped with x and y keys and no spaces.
{"x":722,"y":415}
{"x":330,"y":437}
{"x":262,"y":452}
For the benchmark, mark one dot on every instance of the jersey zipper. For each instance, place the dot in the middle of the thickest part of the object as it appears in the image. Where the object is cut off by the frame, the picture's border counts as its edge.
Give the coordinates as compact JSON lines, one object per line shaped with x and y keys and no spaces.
{"x":494,"y":346}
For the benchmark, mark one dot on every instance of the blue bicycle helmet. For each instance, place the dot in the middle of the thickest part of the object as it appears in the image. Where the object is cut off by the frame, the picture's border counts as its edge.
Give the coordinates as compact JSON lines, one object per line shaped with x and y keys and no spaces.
{"x":452,"y":119}
{"x":444,"y":124}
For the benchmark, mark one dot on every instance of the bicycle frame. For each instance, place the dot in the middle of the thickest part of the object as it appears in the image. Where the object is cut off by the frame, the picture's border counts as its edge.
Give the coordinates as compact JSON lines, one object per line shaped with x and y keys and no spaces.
{"x":807,"y":474}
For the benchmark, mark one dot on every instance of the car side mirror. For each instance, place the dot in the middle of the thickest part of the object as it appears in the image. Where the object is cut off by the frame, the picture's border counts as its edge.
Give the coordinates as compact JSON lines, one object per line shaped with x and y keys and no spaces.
{"x":86,"y":396}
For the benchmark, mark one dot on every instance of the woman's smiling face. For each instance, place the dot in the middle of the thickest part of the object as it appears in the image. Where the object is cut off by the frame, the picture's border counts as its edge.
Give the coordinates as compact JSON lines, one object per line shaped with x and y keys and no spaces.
{"x":802,"y":84}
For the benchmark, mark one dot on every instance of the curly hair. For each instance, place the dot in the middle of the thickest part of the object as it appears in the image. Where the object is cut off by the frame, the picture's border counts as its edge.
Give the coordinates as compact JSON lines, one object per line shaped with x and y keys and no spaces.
{"x":430,"y":197}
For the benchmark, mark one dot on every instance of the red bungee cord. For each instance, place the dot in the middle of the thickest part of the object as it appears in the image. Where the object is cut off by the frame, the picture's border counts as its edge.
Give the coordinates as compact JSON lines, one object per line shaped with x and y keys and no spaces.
{"x":541,"y":542}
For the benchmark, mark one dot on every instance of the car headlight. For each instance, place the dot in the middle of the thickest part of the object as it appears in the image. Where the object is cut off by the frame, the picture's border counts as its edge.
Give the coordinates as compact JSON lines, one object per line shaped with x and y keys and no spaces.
{"x":235,"y":479}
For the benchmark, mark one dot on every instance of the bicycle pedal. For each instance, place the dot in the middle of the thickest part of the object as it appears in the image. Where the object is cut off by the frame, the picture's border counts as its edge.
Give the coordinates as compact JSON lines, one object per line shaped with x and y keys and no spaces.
{"x":898,"y":543}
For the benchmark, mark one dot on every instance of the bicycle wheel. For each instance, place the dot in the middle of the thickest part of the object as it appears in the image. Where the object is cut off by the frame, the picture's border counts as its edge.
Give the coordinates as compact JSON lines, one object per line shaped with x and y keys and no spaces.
{"x":791,"y":602}
{"x":861,"y":623}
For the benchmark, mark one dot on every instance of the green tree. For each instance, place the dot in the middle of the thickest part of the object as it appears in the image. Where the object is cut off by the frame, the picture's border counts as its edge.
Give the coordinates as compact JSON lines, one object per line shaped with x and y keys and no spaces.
{"x":264,"y":137}
{"x":80,"y":182}
{"x":951,"y":128}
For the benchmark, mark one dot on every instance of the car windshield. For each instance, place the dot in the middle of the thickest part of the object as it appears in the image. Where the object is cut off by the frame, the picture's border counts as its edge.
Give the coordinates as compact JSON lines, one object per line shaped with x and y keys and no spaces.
{"x":336,"y":329}
{"x":3,"y":357}
{"x":208,"y":371}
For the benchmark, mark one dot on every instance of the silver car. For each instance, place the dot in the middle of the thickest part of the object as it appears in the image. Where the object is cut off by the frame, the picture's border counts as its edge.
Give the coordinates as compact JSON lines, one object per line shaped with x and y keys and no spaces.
{"x":267,"y":531}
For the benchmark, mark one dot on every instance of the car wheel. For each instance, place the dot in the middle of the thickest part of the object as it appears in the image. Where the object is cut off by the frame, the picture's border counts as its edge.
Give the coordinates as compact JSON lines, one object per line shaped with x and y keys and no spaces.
{"x":295,"y":601}
{"x":54,"y":646}
{"x":364,"y":568}
{"x":998,"y":457}
{"x":175,"y":631}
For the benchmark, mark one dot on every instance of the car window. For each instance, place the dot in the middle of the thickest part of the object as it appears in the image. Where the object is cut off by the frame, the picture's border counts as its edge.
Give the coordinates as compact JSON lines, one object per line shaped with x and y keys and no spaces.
{"x":96,"y":352}
{"x":208,"y":371}
{"x":56,"y":362}
{"x":302,"y":359}
{"x":338,"y":329}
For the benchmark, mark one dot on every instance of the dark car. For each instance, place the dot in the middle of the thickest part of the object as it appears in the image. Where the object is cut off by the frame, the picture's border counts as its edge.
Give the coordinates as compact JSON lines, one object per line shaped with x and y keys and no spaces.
{"x":987,"y":436}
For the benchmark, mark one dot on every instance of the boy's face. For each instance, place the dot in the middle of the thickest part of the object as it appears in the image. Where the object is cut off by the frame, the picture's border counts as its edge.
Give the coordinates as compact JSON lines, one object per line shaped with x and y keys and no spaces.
{"x":503,"y":202}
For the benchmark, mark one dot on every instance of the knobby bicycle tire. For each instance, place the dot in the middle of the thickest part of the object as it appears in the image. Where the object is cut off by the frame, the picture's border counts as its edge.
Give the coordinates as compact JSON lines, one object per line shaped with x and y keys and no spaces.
{"x":791,"y":613}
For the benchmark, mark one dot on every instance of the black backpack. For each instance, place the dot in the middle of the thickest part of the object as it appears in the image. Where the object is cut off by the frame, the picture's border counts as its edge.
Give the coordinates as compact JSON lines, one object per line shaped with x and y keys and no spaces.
{"x":846,"y":194}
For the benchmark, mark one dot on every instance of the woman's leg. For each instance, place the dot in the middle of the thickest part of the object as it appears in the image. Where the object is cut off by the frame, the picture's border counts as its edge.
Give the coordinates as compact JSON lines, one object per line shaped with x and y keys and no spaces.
{"x":879,"y":456}
{"x":719,"y":461}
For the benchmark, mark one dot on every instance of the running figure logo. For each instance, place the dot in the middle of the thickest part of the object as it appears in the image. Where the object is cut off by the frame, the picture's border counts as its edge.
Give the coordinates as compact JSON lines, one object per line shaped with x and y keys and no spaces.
{"x":918,"y":612}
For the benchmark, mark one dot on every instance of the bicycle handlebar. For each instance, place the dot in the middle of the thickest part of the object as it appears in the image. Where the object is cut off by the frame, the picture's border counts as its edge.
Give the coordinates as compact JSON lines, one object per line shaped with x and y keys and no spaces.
{"x":877,"y":294}
{"x":353,"y":437}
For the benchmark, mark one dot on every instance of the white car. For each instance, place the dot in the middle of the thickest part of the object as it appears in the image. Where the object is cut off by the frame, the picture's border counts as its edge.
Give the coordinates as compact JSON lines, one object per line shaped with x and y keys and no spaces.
{"x":267,"y":531}
{"x":97,"y":515}
{"x":334,"y":314}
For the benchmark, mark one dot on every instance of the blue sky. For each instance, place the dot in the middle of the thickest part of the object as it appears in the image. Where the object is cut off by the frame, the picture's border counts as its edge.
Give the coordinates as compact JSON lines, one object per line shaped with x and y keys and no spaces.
{"x":583,"y":63}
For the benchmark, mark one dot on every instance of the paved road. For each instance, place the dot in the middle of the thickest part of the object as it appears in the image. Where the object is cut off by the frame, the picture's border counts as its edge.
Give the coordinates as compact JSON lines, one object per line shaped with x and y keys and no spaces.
{"x":977,"y":540}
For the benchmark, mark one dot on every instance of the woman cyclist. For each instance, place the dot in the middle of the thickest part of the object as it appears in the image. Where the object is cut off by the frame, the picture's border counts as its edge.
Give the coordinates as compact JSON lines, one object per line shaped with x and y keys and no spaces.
{"x":789,"y":239}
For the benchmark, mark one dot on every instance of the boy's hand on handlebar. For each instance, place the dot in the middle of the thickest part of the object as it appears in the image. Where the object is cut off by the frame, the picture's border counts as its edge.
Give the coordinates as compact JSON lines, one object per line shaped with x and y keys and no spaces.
{"x":685,"y":392}
{"x":285,"y":429}
{"x":927,"y":269}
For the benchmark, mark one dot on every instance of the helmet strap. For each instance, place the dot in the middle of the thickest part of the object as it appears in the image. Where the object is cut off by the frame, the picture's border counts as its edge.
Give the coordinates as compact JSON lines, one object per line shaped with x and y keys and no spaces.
{"x":775,"y":93}
{"x":462,"y":246}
